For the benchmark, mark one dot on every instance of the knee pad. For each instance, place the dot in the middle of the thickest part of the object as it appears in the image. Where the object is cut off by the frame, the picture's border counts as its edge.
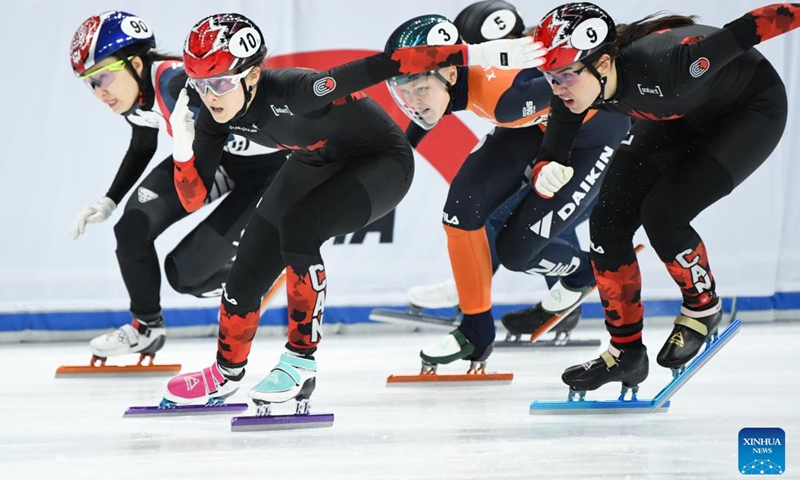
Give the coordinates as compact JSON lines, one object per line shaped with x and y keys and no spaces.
{"x":301,"y":230}
{"x":133,"y":234}
{"x":517,"y":253}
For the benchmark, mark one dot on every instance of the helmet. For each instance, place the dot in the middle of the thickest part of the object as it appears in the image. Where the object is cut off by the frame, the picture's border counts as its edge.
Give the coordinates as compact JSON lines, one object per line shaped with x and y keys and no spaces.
{"x":110,"y":33}
{"x":419,"y":31}
{"x":489,"y":20}
{"x":221,"y":43}
{"x":423,"y":30}
{"x":572,"y":32}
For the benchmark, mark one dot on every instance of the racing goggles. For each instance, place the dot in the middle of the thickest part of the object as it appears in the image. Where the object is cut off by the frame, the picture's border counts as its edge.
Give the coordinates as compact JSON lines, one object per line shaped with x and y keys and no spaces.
{"x":219,"y":86}
{"x":566,"y":78}
{"x":104,"y":76}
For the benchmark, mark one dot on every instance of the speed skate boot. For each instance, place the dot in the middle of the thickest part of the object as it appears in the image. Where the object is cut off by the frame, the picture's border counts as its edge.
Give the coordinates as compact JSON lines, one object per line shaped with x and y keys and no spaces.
{"x":692,"y":329}
{"x":144,"y":337}
{"x":629,"y":366}
{"x":455,"y":346}
{"x":562,"y":297}
{"x":210,"y":386}
{"x":294,"y":377}
{"x":530,"y":320}
{"x":440,"y":295}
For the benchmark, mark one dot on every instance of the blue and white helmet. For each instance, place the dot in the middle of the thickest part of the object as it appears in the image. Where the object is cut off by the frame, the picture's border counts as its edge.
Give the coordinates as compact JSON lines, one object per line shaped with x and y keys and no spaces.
{"x":107,"y":34}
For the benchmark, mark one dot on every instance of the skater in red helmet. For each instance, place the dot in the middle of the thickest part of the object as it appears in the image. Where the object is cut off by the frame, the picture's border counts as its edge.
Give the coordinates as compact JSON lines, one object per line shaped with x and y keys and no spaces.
{"x":710,"y":109}
{"x":350,"y":165}
{"x":113,"y":53}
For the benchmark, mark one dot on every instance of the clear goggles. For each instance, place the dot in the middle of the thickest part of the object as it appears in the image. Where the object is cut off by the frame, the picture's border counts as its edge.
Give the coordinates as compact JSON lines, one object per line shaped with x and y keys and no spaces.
{"x":104,"y":76}
{"x":219,"y":86}
{"x":415,"y":94}
{"x":566,"y":78}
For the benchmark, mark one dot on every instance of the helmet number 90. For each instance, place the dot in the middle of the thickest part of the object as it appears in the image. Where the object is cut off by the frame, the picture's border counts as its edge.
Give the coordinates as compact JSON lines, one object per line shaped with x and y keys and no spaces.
{"x":245,"y":42}
{"x":136,"y":28}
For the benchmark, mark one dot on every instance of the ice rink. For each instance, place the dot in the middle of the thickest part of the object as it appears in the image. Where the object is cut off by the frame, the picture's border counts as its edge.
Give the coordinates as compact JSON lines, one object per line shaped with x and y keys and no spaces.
{"x":73,"y":428}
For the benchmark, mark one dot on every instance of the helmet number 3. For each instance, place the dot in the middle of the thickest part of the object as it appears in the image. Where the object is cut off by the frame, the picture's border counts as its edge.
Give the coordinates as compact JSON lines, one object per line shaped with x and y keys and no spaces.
{"x":589,"y":34}
{"x":444,"y":33}
{"x":245,"y":42}
{"x":136,"y":28}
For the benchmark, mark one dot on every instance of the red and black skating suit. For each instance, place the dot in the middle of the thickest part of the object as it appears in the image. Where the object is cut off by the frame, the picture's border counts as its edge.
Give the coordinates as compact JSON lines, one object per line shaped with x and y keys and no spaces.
{"x":350,"y":165}
{"x":712,"y":109}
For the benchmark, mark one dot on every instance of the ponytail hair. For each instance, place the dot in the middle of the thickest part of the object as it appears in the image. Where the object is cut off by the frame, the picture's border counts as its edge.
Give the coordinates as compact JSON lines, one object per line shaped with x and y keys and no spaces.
{"x":628,"y":33}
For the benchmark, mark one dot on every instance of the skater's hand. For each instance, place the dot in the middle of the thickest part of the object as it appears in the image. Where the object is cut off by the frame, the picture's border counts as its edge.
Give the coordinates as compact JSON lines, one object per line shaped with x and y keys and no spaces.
{"x":96,"y":213}
{"x":182,"y":122}
{"x":547,"y":178}
{"x":513,"y":54}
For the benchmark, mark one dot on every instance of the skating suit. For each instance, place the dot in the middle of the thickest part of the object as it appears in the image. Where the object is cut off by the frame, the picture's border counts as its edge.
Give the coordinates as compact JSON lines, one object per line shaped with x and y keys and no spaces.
{"x":198,"y":264}
{"x":711,"y":110}
{"x":494,"y":182}
{"x":350,"y":165}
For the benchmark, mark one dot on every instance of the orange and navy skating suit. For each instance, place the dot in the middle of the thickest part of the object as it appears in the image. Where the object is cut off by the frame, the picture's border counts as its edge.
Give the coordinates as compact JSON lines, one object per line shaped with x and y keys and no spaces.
{"x":497,"y":170}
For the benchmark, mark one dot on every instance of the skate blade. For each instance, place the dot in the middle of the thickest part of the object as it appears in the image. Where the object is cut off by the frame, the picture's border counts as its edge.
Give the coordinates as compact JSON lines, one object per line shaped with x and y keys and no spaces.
{"x":450,"y":379}
{"x":594,"y":407}
{"x":155,"y":411}
{"x":117,"y":370}
{"x":281,"y":422}
{"x":547,"y":343}
{"x":699,"y":361}
{"x":398,"y":317}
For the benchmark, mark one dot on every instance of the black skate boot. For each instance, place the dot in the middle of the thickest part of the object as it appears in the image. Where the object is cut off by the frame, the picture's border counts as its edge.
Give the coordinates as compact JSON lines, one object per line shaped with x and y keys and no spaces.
{"x":530,"y":320}
{"x":629,"y":366}
{"x":687,"y":337}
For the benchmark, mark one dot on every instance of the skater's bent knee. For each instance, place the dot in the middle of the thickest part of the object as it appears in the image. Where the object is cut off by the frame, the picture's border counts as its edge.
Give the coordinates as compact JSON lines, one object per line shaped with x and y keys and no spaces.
{"x":133,"y":230}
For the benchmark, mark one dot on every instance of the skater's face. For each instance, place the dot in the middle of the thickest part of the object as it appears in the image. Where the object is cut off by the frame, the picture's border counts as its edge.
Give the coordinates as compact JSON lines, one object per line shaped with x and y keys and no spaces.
{"x":114,"y":84}
{"x":427,"y":96}
{"x":223,"y":95}
{"x":576,"y":85}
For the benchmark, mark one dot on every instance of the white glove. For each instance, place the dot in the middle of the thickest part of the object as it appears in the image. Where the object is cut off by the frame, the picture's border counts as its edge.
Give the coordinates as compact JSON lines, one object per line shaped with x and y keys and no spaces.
{"x":97,"y":213}
{"x":182,"y":122}
{"x":514,"y":54}
{"x":551,"y":178}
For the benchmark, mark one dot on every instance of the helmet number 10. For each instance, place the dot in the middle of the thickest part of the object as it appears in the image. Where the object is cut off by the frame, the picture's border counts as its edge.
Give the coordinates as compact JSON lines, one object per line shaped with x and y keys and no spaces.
{"x":245,"y":42}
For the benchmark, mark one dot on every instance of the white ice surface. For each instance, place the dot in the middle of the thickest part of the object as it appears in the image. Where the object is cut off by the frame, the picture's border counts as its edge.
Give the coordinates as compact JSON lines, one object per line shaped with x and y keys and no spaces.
{"x":73,"y":428}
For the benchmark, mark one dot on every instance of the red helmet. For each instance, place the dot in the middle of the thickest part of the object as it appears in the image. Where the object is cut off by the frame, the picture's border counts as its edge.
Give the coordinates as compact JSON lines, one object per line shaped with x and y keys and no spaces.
{"x":222,"y":43}
{"x":572,"y":32}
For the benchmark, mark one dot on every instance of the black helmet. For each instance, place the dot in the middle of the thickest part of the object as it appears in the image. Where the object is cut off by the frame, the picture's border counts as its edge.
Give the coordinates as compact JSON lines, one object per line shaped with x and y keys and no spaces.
{"x":419,"y":31}
{"x":489,"y":20}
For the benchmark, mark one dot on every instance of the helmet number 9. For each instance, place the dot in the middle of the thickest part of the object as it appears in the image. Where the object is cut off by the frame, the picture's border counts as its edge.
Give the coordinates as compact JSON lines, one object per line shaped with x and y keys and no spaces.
{"x":245,"y":42}
{"x":589,"y":34}
{"x":136,"y":28}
